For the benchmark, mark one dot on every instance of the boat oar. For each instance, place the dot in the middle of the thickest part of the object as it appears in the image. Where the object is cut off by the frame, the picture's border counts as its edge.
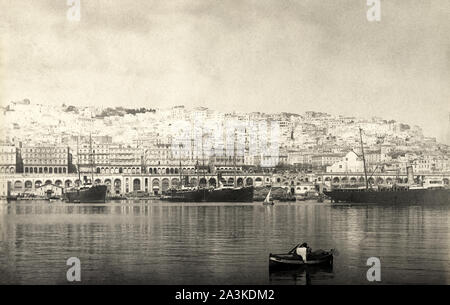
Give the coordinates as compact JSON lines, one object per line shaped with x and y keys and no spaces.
{"x":293,"y":249}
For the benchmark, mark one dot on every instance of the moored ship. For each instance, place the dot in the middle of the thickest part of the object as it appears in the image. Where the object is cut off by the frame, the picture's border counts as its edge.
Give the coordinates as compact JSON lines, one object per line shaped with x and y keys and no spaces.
{"x":393,"y":194}
{"x":87,"y":194}
{"x":200,"y":194}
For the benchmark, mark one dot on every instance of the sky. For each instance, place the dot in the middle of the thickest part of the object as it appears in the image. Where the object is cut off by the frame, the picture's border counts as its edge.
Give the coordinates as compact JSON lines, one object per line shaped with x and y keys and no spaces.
{"x":233,"y":55}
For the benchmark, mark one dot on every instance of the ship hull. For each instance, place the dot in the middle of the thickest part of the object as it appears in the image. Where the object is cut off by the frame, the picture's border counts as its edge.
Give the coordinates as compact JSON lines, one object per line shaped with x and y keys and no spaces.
{"x":94,"y":194}
{"x":244,"y":194}
{"x":412,"y":196}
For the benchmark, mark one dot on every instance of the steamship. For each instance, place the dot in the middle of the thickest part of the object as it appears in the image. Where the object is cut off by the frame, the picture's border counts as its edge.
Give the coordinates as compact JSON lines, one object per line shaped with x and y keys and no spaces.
{"x":395,"y":194}
{"x":88,"y":192}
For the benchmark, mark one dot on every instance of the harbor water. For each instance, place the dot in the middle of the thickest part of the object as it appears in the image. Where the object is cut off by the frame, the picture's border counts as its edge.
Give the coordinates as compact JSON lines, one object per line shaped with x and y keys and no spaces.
{"x":155,"y":242}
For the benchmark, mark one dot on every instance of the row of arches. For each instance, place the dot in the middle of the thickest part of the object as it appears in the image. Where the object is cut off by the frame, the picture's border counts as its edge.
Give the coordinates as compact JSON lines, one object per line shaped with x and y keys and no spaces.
{"x":7,"y":169}
{"x":149,"y":170}
{"x":45,"y":170}
{"x":371,"y":180}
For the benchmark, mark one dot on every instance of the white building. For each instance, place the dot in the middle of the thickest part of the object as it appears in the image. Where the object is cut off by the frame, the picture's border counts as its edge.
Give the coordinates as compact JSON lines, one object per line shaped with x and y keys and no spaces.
{"x":351,"y":163}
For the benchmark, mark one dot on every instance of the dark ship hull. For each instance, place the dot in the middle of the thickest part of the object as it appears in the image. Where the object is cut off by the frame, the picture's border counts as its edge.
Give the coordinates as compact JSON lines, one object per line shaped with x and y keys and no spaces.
{"x":244,"y":194}
{"x":94,"y":194}
{"x":408,"y":196}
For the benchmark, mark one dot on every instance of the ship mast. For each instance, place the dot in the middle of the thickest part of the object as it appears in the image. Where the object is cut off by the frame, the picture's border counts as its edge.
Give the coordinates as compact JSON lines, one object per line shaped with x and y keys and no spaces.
{"x":78,"y":160}
{"x":92,"y":159}
{"x":364,"y":158}
{"x":234,"y":159}
{"x":181,"y":173}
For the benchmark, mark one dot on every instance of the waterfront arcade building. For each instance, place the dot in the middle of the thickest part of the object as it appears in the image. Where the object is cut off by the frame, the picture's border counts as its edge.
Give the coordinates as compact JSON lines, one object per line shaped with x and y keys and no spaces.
{"x":45,"y":159}
{"x":7,"y":159}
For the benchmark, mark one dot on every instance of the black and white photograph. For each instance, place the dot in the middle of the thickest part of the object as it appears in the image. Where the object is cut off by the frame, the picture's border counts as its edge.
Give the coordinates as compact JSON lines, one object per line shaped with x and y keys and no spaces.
{"x":206,"y":143}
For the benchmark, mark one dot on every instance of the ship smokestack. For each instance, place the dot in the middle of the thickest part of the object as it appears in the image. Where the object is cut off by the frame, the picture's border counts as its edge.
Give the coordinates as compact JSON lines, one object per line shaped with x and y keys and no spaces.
{"x":409,"y":172}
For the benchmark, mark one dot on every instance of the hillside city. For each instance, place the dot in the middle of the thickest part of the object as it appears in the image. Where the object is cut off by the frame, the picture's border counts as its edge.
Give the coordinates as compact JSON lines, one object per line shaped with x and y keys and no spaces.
{"x":42,"y":138}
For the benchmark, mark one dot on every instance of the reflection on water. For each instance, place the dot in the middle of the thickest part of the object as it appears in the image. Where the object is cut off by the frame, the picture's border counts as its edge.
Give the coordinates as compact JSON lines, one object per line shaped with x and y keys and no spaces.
{"x":155,"y":242}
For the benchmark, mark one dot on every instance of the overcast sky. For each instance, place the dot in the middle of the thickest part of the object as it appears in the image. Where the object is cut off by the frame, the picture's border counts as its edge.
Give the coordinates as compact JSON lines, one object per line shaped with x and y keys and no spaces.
{"x":260,"y":55}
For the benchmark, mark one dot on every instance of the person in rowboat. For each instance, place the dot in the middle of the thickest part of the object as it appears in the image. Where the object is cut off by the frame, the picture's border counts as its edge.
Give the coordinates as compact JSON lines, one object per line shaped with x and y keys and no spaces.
{"x":303,"y":251}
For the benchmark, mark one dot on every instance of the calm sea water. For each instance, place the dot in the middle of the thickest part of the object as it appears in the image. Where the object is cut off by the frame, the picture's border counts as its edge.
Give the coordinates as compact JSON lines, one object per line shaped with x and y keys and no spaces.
{"x":153,"y":242}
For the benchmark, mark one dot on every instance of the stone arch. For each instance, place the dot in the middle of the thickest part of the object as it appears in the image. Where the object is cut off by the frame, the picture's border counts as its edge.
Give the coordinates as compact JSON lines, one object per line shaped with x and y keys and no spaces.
{"x":344,"y":180}
{"x":194,"y":181}
{"x":380,"y":180}
{"x":230,"y":181}
{"x":155,"y":185}
{"x":249,"y":181}
{"x":28,"y":184}
{"x":45,"y":170}
{"x":98,"y":181}
{"x":18,"y":185}
{"x":240,"y":181}
{"x":165,"y":184}
{"x":446,"y":181}
{"x":48,"y":182}
{"x":37,"y":183}
{"x":202,"y":182}
{"x":77,"y":182}
{"x":212,"y":182}
{"x":167,"y":171}
{"x":327,"y":179}
{"x":353,"y":180}
{"x":175,"y":182}
{"x":58,"y":182}
{"x":117,"y":185}
{"x":171,"y":171}
{"x":50,"y":170}
{"x":362,"y":180}
{"x":136,"y":184}
{"x":68,"y":183}
{"x":389,"y":180}
{"x":399,"y":180}
{"x":371,"y":180}
{"x":336,"y":180}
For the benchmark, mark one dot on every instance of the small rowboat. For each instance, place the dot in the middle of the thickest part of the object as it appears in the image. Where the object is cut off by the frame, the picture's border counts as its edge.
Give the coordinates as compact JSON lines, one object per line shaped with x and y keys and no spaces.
{"x":318,"y":257}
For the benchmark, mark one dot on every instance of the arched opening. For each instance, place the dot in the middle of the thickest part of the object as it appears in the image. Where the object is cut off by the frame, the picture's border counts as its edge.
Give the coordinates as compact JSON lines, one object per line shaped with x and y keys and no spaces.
{"x":165,"y":184}
{"x":336,"y":180}
{"x":18,"y":185}
{"x":77,"y":182}
{"x":344,"y":180}
{"x":230,"y":181}
{"x":68,"y":183}
{"x":212,"y":182}
{"x":48,"y":182}
{"x":28,"y":184}
{"x":167,"y":171}
{"x":380,"y":180}
{"x":352,"y":180}
{"x":58,"y":182}
{"x":249,"y":181}
{"x":240,"y":181}
{"x":171,"y":171}
{"x":446,"y":181}
{"x":371,"y":181}
{"x":175,"y":182}
{"x":98,"y":181}
{"x":389,"y":180}
{"x":327,"y":179}
{"x":117,"y":186}
{"x":202,"y":182}
{"x":362,"y":180}
{"x":50,"y":170}
{"x":136,"y":184}
{"x":37,"y":183}
{"x":45,"y":170}
{"x":155,"y":186}
{"x":98,"y":170}
{"x":194,"y":181}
